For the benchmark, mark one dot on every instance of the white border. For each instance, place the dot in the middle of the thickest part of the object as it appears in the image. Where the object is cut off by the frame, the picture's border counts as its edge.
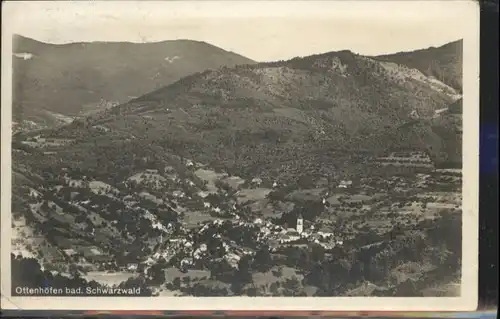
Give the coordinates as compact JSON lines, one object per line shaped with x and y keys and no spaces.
{"x":468,"y":11}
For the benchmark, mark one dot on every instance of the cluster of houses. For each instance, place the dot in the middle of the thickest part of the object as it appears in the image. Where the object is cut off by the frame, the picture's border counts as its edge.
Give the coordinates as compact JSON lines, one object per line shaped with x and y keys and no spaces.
{"x":268,"y":233}
{"x":324,"y":237}
{"x":182,"y":243}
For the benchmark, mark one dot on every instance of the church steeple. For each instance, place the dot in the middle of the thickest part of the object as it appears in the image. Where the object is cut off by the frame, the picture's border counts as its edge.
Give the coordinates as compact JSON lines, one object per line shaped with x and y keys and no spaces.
{"x":300,"y":224}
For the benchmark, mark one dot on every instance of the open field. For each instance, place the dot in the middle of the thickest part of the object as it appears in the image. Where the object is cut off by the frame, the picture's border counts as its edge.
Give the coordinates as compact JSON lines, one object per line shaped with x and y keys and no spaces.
{"x":252,"y":194}
{"x":109,"y":279}
{"x":193,"y":274}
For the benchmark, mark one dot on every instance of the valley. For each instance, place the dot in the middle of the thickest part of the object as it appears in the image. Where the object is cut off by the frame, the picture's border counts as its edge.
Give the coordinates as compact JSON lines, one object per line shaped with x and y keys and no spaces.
{"x":329,"y":175}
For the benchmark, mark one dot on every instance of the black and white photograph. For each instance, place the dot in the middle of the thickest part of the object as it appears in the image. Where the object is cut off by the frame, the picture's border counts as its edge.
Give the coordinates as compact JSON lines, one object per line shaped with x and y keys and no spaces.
{"x":260,"y":149}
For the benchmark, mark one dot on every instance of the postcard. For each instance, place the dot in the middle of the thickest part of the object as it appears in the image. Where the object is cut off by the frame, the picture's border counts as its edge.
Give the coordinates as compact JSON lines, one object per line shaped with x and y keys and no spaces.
{"x":240,"y":155}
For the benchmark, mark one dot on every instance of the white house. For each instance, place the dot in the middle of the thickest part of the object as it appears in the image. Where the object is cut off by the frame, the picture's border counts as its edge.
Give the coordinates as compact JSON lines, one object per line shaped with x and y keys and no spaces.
{"x":203,"y":194}
{"x":414,"y":114}
{"x":437,"y":112}
{"x":290,"y":235}
{"x":178,"y":193}
{"x":168,"y":169}
{"x":24,"y":55}
{"x":159,"y":226}
{"x":70,"y":252}
{"x":325,"y":234}
{"x":132,"y":267}
{"x":345,"y":184}
{"x":186,"y":261}
{"x":233,"y":259}
{"x":265,"y":230}
{"x":34,"y":193}
{"x":257,"y":181}
{"x":284,"y":238}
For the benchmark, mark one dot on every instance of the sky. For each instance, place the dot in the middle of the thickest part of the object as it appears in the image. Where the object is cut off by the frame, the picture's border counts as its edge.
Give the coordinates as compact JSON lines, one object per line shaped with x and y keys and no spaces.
{"x":259,"y":30}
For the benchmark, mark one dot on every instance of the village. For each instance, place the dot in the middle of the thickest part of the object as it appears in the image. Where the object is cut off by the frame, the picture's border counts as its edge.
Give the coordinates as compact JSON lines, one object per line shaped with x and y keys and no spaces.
{"x":182,"y":224}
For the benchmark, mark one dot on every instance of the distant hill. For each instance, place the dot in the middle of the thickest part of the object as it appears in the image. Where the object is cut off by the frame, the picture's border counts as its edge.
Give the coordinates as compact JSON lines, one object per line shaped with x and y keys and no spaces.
{"x":315,"y":114}
{"x":52,"y":82}
{"x":444,"y":62}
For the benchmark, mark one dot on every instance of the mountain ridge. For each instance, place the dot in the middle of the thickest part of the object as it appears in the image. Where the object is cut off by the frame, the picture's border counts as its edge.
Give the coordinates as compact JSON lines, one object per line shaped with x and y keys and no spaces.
{"x":339,"y":99}
{"x":443,"y":62}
